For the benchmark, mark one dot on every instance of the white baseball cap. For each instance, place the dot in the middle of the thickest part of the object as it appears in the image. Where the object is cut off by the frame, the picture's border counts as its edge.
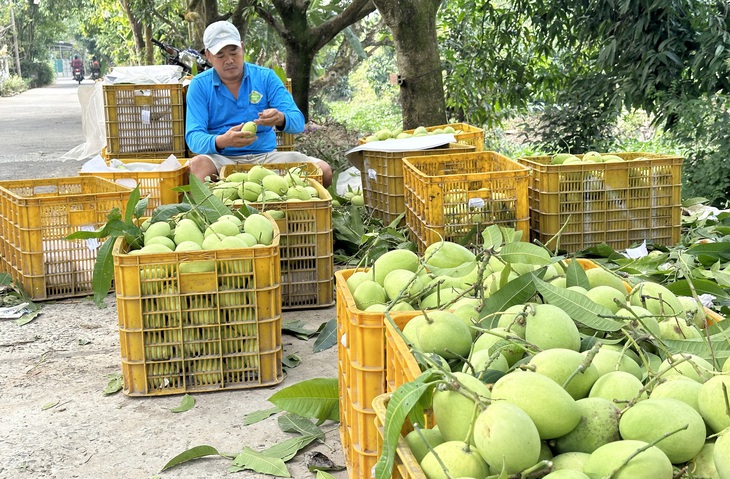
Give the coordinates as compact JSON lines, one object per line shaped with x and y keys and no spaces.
{"x":219,"y":35}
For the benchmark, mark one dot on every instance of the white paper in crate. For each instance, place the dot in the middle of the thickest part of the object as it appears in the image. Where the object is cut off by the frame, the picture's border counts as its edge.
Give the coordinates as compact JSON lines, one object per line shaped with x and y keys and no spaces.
{"x":144,"y":74}
{"x":414,"y":143}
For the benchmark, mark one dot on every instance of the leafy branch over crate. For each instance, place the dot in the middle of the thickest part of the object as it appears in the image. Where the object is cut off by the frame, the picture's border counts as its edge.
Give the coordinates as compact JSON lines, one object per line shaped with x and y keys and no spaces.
{"x":199,"y":199}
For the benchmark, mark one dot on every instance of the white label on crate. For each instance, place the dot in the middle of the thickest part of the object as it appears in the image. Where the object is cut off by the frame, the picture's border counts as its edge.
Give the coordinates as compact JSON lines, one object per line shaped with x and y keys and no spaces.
{"x":372,"y":174}
{"x":145,"y":114}
{"x":91,"y":243}
{"x":476,"y":203}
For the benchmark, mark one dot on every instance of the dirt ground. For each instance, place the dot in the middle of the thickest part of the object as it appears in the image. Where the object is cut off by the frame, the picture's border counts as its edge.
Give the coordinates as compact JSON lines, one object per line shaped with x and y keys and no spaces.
{"x":56,"y":421}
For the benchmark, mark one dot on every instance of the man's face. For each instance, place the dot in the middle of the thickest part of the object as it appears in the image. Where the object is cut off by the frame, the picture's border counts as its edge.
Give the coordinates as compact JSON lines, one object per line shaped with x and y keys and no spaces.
{"x":228,"y":62}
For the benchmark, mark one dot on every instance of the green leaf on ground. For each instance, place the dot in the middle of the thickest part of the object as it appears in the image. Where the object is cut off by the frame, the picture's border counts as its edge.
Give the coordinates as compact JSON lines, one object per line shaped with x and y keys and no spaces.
{"x":296,"y":328}
{"x":114,"y":384}
{"x":49,"y":405}
{"x":258,"y":416}
{"x":324,"y":475}
{"x":291,"y":361}
{"x":288,"y":448}
{"x":291,"y":422}
{"x":186,"y":404}
{"x":191,"y":454}
{"x":316,"y":398}
{"x":259,"y":462}
{"x":327,"y":337}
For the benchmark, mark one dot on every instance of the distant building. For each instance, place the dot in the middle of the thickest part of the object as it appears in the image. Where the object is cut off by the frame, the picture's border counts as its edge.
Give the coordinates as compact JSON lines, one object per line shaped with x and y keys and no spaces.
{"x":61,"y":54}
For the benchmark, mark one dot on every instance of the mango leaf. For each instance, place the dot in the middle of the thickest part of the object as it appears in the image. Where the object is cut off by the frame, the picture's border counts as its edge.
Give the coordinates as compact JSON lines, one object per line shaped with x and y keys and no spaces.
{"x":576,"y":276}
{"x":257,"y":416}
{"x":578,"y":306}
{"x":288,"y":448}
{"x":492,"y":237}
{"x":699,"y":346}
{"x":526,"y":253}
{"x":114,"y":384}
{"x":717,"y":250}
{"x":259,"y":462}
{"x":132,"y":205}
{"x":194,"y":453}
{"x":511,"y":235}
{"x":291,"y":361}
{"x":186,"y":404}
{"x":296,"y":328}
{"x":316,"y":398}
{"x":327,"y":336}
{"x":49,"y":405}
{"x":212,"y":207}
{"x":517,"y":291}
{"x":400,"y":403}
{"x":324,"y":475}
{"x":165,"y":212}
{"x":291,"y":422}
{"x":681,"y":288}
{"x":103,"y":274}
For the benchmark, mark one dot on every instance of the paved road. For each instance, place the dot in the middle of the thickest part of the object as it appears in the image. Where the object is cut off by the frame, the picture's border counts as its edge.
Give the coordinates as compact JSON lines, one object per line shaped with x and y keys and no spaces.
{"x":39,"y":126}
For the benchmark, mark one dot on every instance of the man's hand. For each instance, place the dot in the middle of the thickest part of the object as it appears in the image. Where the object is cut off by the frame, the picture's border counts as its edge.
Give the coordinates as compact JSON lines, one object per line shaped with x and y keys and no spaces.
{"x":235,"y":137}
{"x":271,"y":117}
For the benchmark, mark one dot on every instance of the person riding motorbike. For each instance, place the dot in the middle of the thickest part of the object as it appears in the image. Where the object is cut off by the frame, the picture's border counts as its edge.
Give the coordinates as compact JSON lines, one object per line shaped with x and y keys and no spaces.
{"x":95,"y":68}
{"x":77,"y":63}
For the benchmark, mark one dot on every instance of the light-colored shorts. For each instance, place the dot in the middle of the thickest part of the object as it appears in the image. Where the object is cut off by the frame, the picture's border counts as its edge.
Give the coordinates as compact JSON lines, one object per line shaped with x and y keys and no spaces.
{"x":272,"y":157}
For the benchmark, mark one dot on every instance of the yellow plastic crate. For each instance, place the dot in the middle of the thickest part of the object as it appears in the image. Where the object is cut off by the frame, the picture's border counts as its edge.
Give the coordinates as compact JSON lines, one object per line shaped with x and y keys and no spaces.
{"x":382,"y":178}
{"x":35,"y":217}
{"x":453,"y":196}
{"x":307,"y":250}
{"x":614,"y":203}
{"x":405,"y":465}
{"x":145,"y":120}
{"x":361,"y":376}
{"x":157,"y":186}
{"x":311,"y":170}
{"x":198,"y":332}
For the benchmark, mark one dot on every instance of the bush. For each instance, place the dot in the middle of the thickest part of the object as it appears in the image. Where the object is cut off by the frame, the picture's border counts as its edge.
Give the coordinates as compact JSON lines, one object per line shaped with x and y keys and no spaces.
{"x":38,"y":73}
{"x":327,"y":140}
{"x":12,"y":86}
{"x":702,"y":127}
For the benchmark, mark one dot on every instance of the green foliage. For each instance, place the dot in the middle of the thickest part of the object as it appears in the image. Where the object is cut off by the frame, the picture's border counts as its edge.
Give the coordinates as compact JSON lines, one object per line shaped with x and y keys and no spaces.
{"x":703,"y":130}
{"x":13,"y":85}
{"x":327,"y":140}
{"x":367,"y":111}
{"x":579,"y":121}
{"x":39,"y":73}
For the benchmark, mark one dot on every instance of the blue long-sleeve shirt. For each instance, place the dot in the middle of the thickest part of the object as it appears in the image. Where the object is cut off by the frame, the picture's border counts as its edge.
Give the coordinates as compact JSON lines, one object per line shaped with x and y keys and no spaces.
{"x":212,"y":110}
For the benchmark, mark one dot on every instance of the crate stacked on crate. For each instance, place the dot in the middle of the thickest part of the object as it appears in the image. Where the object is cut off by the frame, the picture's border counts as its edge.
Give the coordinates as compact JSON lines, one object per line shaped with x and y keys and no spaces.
{"x":285,"y":141}
{"x":182,"y":331}
{"x":306,"y":242}
{"x":36,"y":215}
{"x":382,"y":178}
{"x":618,"y":203}
{"x":144,"y":120}
{"x":453,"y":197}
{"x":157,"y":186}
{"x":361,"y":376}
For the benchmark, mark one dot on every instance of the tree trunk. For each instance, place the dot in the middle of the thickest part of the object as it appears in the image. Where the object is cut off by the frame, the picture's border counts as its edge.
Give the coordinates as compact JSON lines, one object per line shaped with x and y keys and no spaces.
{"x":303,"y":41}
{"x":137,"y":32}
{"x":413,"y":24}
{"x":149,"y":47}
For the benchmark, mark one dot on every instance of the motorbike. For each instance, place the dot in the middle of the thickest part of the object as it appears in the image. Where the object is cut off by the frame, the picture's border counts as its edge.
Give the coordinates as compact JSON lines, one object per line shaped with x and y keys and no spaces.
{"x":191,"y":61}
{"x":95,"y":74}
{"x":78,"y":75}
